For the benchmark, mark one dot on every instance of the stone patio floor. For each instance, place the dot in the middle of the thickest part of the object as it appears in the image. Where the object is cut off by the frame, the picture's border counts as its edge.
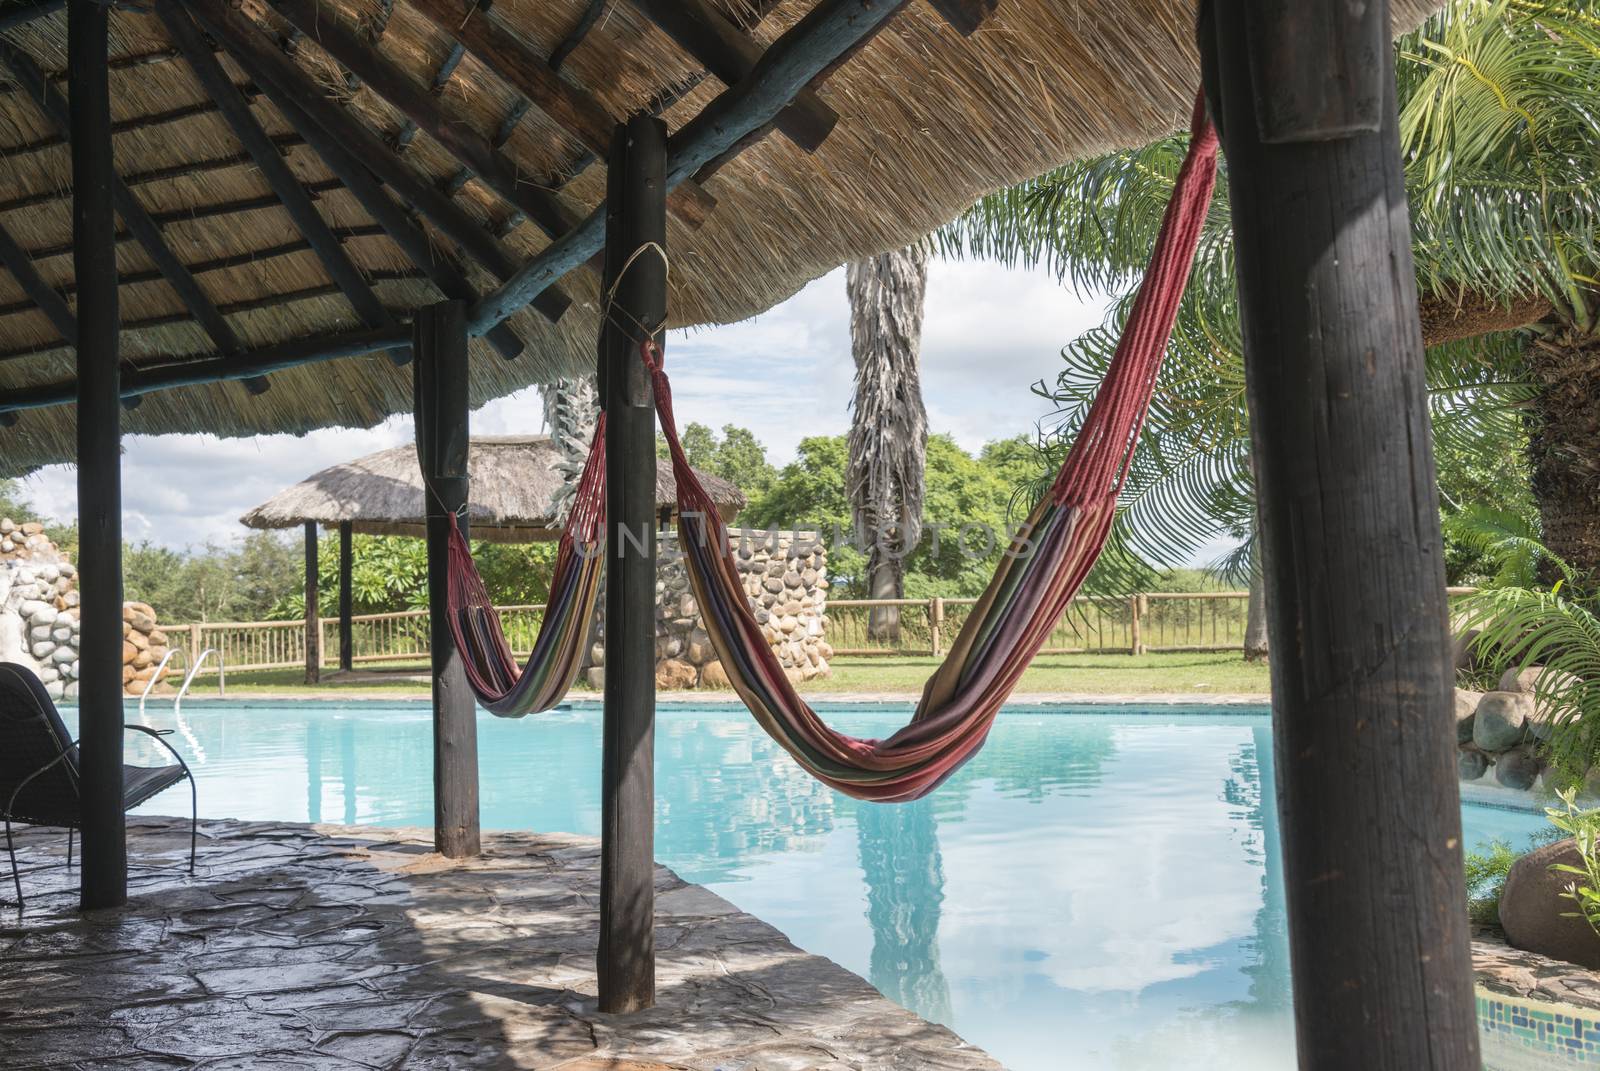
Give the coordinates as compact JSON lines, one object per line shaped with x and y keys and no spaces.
{"x":317,"y":947}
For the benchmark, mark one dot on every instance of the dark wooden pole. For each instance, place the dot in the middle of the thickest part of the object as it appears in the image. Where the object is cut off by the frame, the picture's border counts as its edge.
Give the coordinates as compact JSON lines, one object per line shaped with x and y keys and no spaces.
{"x":1361,"y":677}
{"x":347,"y":645}
{"x":104,"y":881}
{"x":313,"y":611}
{"x":637,"y":274}
{"x":439,"y":354}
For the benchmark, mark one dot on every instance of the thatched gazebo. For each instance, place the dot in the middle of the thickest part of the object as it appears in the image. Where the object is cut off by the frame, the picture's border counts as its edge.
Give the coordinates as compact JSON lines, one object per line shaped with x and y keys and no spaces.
{"x":312,"y":193}
{"x":516,"y":480}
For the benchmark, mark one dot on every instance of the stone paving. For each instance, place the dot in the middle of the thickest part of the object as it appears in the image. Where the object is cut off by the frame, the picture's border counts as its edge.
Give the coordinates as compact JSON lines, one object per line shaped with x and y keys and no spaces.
{"x":320,"y":947}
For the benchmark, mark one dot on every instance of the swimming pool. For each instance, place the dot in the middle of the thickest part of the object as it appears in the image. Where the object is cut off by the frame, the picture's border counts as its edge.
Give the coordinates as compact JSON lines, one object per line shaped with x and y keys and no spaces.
{"x":1104,"y":880}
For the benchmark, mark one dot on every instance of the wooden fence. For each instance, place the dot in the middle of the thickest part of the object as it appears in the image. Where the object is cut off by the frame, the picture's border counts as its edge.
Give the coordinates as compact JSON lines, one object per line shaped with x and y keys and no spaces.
{"x":1100,"y":624}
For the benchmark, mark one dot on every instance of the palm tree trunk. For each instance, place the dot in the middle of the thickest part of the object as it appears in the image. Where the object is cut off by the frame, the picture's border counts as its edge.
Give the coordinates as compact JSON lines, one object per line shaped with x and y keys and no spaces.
{"x":1255,"y":625}
{"x":1564,"y":445}
{"x":889,"y":426}
{"x":571,"y":408}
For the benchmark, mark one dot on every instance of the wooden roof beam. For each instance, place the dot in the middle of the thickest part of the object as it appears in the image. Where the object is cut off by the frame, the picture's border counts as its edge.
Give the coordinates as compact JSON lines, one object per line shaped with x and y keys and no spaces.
{"x":830,"y":30}
{"x":286,"y":84}
{"x":40,"y":294}
{"x":201,"y":267}
{"x":729,"y":53}
{"x":21,"y":14}
{"x":255,"y":304}
{"x":572,"y":108}
{"x":138,"y":122}
{"x":965,"y":16}
{"x":275,"y":171}
{"x":401,"y":229}
{"x":450,"y":130}
{"x":808,"y":48}
{"x":49,"y":101}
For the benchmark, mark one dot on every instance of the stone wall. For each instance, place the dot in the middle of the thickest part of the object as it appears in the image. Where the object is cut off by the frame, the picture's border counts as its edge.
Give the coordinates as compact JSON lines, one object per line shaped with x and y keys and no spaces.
{"x":784,"y":573}
{"x":144,"y":645}
{"x":39,"y":616}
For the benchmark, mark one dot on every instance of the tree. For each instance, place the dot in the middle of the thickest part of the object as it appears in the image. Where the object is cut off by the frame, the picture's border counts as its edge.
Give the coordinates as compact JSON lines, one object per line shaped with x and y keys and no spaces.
{"x":737,"y":456}
{"x":1499,"y":100}
{"x":969,"y":505}
{"x":889,"y":426}
{"x":571,"y":410}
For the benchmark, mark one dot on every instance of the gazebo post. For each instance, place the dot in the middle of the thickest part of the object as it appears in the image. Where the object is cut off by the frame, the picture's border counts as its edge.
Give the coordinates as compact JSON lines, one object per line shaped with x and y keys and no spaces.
{"x":1361,"y":667}
{"x":104,"y":877}
{"x":439,"y":362}
{"x":347,"y":652}
{"x":636,"y":276}
{"x":313,"y":609}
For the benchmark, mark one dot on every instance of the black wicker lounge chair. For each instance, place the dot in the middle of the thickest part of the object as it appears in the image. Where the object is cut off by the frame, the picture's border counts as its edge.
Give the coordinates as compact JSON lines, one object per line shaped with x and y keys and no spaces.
{"x":39,"y":767}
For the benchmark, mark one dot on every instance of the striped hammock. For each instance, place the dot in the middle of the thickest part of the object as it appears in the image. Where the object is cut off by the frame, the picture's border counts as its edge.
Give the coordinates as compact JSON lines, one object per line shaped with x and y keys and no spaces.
{"x":1048,"y":561}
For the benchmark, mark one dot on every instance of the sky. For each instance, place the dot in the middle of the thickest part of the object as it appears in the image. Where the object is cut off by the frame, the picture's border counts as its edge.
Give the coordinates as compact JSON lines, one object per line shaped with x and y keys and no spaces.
{"x":989,"y":333}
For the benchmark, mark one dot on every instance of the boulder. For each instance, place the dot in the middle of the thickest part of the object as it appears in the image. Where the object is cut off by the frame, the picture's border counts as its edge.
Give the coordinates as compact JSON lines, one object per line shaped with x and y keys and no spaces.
{"x":1537,"y":678}
{"x":1471,"y":764}
{"x":1466,"y":707}
{"x":595,"y":677}
{"x":1501,"y":720}
{"x":1532,"y":909}
{"x":673,"y":675}
{"x":1517,"y":769}
{"x":714,"y":676}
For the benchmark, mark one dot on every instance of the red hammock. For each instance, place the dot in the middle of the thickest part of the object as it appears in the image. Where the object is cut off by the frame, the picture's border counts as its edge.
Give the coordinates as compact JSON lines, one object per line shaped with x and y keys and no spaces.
{"x":1054,"y":551}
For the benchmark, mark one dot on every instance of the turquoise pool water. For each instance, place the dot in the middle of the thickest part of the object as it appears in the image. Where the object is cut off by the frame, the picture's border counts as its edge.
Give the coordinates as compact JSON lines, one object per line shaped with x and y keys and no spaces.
{"x":1098,"y":889}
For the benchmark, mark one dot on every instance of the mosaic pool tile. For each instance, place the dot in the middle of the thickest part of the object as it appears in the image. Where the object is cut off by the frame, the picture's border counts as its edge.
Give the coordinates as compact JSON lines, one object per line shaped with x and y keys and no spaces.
{"x":1523,"y":1034}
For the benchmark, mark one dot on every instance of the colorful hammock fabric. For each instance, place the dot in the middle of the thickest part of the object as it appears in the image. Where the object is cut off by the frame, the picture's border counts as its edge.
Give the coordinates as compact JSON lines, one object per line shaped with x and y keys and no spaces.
{"x":557,"y":653}
{"x":1046,"y":564}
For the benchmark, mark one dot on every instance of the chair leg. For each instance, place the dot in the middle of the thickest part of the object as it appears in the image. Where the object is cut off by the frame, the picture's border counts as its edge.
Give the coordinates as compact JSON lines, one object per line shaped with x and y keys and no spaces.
{"x":16,"y":878}
{"x":194,"y":819}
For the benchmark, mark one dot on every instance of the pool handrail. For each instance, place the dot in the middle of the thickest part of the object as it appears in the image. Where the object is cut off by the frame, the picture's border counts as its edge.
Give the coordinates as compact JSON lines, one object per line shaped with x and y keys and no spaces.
{"x":193,"y":669}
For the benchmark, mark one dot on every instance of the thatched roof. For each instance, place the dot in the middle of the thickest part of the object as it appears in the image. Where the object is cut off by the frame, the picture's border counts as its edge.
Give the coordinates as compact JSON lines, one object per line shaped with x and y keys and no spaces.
{"x":514,"y":484}
{"x":928,"y":121}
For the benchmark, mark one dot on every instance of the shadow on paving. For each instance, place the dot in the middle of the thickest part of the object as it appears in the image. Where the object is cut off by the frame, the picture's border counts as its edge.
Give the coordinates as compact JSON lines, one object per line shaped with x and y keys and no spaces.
{"x":318,"y":947}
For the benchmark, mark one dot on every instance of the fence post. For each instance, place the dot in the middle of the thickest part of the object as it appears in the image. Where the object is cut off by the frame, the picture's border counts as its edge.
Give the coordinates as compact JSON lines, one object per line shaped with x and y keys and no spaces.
{"x":1135,"y":641}
{"x":194,"y":643}
{"x":936,"y":622}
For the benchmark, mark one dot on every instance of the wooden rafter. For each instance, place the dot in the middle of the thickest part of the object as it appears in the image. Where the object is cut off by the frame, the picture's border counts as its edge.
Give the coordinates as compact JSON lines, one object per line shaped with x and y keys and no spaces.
{"x":453,"y":133}
{"x":446,"y":275}
{"x":965,"y":15}
{"x":729,"y":53}
{"x":40,"y":294}
{"x":289,"y":89}
{"x":49,"y":101}
{"x":808,"y":48}
{"x":274,"y":171}
{"x":198,"y":212}
{"x":201,"y":267}
{"x":254,"y":304}
{"x":571,"y":107}
{"x":799,"y":56}
{"x":165,"y":173}
{"x":21,"y":14}
{"x":141,"y":122}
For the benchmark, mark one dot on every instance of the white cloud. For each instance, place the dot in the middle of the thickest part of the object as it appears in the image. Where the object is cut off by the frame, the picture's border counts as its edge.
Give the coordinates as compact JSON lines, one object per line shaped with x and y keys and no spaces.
{"x":990,"y":333}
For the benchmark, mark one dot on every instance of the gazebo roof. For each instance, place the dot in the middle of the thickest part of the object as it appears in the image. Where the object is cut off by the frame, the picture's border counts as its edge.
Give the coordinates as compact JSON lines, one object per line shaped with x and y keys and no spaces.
{"x":514,"y":483}
{"x":926,"y":121}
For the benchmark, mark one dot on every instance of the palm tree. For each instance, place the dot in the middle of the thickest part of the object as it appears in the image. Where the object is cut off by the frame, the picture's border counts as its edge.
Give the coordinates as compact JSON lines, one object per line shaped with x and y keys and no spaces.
{"x":571,"y":408}
{"x":1500,"y":121}
{"x":889,"y":427}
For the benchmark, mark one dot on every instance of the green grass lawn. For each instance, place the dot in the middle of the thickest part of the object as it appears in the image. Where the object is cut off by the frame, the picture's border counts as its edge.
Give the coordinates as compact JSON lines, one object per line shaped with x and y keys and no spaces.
{"x":1095,"y":674}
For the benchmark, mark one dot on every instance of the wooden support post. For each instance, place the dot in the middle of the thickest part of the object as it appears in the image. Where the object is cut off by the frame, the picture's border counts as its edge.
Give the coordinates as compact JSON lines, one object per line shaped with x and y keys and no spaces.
{"x":104,"y":877}
{"x":1135,"y":637}
{"x":637,"y":275}
{"x":313,"y":614}
{"x":439,"y":354}
{"x":347,"y":651}
{"x":1361,"y":678}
